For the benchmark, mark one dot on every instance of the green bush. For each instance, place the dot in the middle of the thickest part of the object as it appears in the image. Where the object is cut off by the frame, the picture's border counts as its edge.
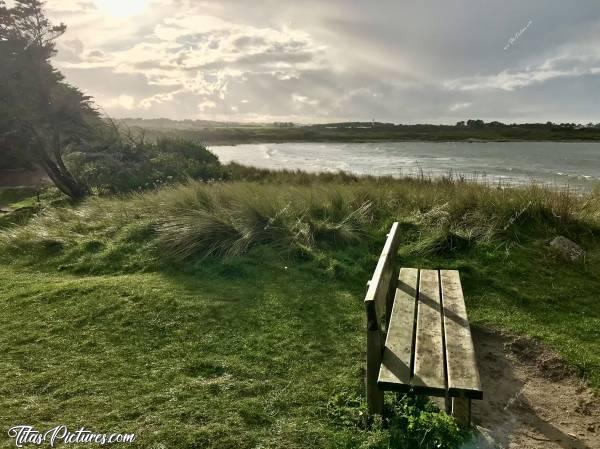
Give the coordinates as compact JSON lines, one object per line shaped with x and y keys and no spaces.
{"x":117,"y":165}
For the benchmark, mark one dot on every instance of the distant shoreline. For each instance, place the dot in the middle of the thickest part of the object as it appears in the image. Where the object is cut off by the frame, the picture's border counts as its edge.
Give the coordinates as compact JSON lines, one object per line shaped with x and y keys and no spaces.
{"x":472,"y":131}
{"x":276,"y":142}
{"x":520,"y":163}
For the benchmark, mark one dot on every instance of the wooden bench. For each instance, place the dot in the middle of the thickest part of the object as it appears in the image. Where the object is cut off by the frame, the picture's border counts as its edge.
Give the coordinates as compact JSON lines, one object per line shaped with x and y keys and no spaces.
{"x":418,"y":335}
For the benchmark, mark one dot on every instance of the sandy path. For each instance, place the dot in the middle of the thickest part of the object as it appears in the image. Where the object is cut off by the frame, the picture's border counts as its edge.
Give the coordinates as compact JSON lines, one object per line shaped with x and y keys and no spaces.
{"x":531,"y":399}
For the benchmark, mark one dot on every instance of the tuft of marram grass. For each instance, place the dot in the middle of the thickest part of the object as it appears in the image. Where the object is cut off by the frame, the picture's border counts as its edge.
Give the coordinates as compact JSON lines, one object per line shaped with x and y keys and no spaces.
{"x":227,"y":219}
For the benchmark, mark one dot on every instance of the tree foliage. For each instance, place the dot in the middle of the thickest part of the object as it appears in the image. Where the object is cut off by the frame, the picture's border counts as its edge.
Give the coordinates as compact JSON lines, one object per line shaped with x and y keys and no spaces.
{"x":42,"y":117}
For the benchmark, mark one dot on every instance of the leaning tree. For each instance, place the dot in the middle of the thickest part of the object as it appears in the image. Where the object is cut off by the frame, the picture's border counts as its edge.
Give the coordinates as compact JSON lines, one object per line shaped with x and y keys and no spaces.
{"x":41,"y":116}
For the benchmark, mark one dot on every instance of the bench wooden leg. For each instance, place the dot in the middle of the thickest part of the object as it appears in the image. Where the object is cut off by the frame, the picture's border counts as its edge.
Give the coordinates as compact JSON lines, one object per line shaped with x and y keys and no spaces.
{"x":448,"y":404}
{"x":374,"y":350}
{"x":461,"y":410}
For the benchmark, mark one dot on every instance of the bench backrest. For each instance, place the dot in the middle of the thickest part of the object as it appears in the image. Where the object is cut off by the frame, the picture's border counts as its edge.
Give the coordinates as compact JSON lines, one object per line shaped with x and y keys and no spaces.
{"x":381,"y":287}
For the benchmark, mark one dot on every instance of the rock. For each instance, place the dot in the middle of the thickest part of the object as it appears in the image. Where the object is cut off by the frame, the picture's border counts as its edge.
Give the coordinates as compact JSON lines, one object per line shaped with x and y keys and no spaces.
{"x":568,"y":249}
{"x":481,"y":439}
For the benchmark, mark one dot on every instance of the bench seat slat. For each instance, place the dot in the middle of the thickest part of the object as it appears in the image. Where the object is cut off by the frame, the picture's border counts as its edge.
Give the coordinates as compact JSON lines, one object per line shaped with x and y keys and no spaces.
{"x":463,"y":375}
{"x":413,"y":356}
{"x":429,"y":356}
{"x":396,"y":365}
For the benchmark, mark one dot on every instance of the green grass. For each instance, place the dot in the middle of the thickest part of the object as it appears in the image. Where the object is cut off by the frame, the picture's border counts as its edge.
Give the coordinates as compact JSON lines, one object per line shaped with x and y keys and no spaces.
{"x":184,"y":360}
{"x":230,"y":315}
{"x":243,"y":354}
{"x":15,"y":197}
{"x":24,"y":202}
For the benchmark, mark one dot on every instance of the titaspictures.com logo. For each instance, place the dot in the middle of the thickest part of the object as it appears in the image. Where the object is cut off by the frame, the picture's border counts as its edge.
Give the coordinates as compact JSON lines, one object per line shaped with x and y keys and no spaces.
{"x":28,"y":435}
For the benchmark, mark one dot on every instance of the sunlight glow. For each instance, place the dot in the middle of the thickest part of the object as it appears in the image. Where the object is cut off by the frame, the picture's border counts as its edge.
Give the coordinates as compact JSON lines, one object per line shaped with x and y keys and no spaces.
{"x":121,"y":8}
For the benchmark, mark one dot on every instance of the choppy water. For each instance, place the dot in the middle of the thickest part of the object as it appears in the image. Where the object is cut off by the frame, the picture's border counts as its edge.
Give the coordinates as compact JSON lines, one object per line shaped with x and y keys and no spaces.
{"x":574,"y":164}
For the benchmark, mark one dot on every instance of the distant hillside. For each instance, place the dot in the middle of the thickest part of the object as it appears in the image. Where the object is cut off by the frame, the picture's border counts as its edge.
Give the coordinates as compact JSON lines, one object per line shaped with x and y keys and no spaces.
{"x":211,"y":132}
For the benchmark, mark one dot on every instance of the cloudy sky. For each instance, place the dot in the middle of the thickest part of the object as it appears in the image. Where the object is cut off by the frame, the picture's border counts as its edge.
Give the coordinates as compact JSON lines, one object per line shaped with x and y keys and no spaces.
{"x":403,"y":61}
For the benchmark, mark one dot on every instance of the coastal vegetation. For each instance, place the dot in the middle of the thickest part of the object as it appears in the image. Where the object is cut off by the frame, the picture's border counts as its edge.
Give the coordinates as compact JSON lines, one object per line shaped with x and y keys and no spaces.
{"x":215,"y":133}
{"x":155,"y":291}
{"x":184,"y":304}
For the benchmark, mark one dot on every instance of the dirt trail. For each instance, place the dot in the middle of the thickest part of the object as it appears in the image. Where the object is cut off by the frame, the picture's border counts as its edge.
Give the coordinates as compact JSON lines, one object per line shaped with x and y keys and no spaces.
{"x":532,"y":400}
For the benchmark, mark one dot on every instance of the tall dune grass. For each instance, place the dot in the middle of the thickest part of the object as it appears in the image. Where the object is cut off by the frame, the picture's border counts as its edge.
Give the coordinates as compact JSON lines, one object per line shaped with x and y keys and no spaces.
{"x":300,"y":211}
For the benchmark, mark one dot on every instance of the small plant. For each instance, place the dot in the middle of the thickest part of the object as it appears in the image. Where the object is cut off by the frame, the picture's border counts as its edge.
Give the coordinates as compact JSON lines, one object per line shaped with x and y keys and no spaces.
{"x":415,"y":422}
{"x":348,"y":409}
{"x":409,"y":422}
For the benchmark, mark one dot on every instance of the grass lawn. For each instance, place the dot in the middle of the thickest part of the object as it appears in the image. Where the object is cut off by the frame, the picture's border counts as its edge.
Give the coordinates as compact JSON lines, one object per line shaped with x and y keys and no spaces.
{"x":103,"y":326}
{"x":196,"y":360}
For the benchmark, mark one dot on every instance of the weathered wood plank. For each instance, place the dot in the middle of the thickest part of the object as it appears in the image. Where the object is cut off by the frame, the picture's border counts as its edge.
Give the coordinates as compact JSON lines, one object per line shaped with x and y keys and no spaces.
{"x":463,"y":375}
{"x":379,"y":289}
{"x":396,"y":365}
{"x":429,"y":356}
{"x":374,"y":349}
{"x":376,"y":300}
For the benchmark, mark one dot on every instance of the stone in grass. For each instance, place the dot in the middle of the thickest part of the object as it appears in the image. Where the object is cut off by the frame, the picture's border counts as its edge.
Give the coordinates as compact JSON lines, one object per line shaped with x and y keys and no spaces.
{"x":568,"y":249}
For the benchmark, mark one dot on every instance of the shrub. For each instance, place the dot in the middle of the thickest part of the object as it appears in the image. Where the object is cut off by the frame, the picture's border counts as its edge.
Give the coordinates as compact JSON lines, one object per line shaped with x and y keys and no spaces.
{"x":113,"y":164}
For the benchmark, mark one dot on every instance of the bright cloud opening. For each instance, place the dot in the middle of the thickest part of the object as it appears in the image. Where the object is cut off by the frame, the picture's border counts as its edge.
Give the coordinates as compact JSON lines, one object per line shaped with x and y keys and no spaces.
{"x":120,"y":8}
